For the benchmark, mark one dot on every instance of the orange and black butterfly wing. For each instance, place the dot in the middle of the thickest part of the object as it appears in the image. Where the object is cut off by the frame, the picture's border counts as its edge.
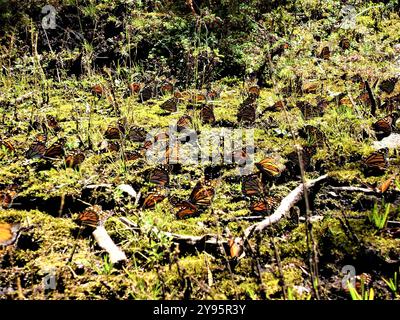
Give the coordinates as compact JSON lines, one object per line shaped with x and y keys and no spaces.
{"x":171,"y":105}
{"x":7,"y":197}
{"x":184,"y":122}
{"x":185,"y":209}
{"x":263,"y":206}
{"x":251,"y":185}
{"x":171,"y":155}
{"x":377,"y":161}
{"x":202,"y":194}
{"x":90,"y":217}
{"x":254,"y":92}
{"x":51,"y":123}
{"x":388,"y":85}
{"x":269,"y":167}
{"x":8,"y":233}
{"x":55,"y":151}
{"x":132,"y":155}
{"x":146,"y":93}
{"x":152,"y":199}
{"x":247,"y":113}
{"x":112,"y":133}
{"x":137,"y":134}
{"x":383,"y":127}
{"x":36,"y":150}
{"x":134,"y":87}
{"x":167,"y":87}
{"x":207,"y":114}
{"x":325,"y":53}
{"x":160,"y":176}
{"x":74,"y":160}
{"x":344,"y":43}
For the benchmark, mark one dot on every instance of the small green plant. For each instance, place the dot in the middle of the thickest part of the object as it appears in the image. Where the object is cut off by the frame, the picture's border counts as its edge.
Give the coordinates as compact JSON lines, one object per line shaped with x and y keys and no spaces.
{"x":364,"y":295}
{"x":108,"y":266}
{"x":377,"y":218}
{"x":392,"y":283}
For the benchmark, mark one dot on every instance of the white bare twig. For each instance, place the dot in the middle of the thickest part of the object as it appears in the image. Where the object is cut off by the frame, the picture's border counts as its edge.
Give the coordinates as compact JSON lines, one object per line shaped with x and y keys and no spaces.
{"x":287,"y":203}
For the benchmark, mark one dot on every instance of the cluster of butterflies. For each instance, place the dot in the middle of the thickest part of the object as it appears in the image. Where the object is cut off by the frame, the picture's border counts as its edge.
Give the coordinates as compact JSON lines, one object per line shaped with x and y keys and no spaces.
{"x":39,"y":148}
{"x":199,"y":199}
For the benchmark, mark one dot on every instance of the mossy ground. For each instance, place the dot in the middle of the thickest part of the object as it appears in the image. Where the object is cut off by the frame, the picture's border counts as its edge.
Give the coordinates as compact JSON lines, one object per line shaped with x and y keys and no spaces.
{"x":155,"y":270}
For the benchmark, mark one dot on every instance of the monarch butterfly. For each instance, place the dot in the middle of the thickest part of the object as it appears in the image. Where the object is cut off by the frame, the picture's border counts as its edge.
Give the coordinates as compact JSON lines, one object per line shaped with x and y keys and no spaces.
{"x":254,"y":91}
{"x":202,"y":193}
{"x":236,"y":247}
{"x":162,"y":137}
{"x":167,"y":87}
{"x":269,"y":167}
{"x":386,"y":184}
{"x":212,"y":95}
{"x":146,"y":93}
{"x":388,"y":85}
{"x":7,"y":145}
{"x":344,"y":43}
{"x":198,"y":98}
{"x":383,"y":127}
{"x":51,"y":123}
{"x":132,"y":155}
{"x":377,"y":161}
{"x":251,"y":185}
{"x":56,"y":150}
{"x":277,"y":106}
{"x":160,"y":176}
{"x":36,"y":150}
{"x":184,"y":122}
{"x":134,"y":87}
{"x":7,"y":198}
{"x":98,"y":90}
{"x":152,"y":199}
{"x":74,"y":160}
{"x":108,"y":146}
{"x":8,"y":233}
{"x":137,"y":134}
{"x":114,"y":133}
{"x":325,"y":53}
{"x":185,"y":209}
{"x":364,"y":98}
{"x":247,"y":113}
{"x":41,"y":138}
{"x":178,"y":94}
{"x":263,"y":206}
{"x":207,"y":114}
{"x":171,"y":105}
{"x":90,"y":216}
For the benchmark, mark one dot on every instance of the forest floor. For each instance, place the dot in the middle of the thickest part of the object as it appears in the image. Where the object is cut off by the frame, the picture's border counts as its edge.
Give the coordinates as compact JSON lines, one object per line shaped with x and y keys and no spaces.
{"x":353,"y":214}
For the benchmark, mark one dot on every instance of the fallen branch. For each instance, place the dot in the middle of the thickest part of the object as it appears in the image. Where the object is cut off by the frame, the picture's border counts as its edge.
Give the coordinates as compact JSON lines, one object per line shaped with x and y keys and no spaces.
{"x":104,"y":241}
{"x":354,"y":189}
{"x":287,"y":203}
{"x":184,"y":241}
